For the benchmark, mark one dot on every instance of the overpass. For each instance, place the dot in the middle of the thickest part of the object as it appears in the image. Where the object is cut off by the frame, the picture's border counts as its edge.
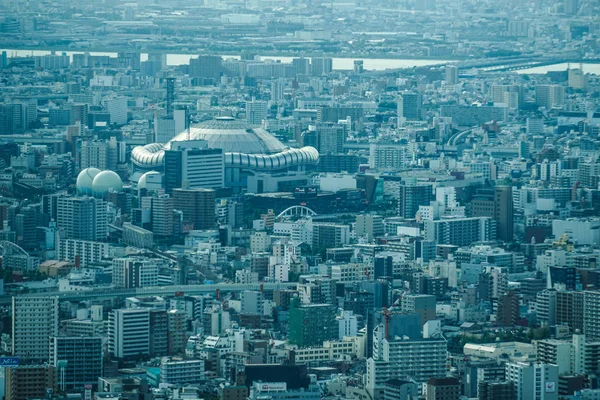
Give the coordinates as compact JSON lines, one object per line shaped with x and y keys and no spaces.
{"x":110,"y":293}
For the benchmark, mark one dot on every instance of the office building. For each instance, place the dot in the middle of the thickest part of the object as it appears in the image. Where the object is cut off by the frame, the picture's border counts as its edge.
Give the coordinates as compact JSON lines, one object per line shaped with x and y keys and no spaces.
{"x":191,"y":164}
{"x":197,"y":206}
{"x":34,"y":320}
{"x":181,"y":372}
{"x":409,"y":106}
{"x":170,"y":125}
{"x":251,"y":302}
{"x":256,"y":111}
{"x":80,"y":356}
{"x":82,"y":218}
{"x":412,"y":195}
{"x":161,"y":210}
{"x":134,"y":272}
{"x":421,"y":304}
{"x":369,"y":226}
{"x":533,"y":380}
{"x":323,"y":325}
{"x":451,"y":74}
{"x":129,"y":332}
{"x":277,"y":91}
{"x":328,"y":235}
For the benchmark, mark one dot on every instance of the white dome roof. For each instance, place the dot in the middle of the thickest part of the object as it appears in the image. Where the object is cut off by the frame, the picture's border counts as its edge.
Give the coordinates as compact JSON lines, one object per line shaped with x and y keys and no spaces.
{"x":106,"y":181}
{"x":85,"y":179}
{"x":143,"y":182}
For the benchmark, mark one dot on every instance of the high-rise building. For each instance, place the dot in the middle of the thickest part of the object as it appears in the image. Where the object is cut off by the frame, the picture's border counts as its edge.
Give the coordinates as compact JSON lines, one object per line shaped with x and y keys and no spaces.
{"x":256,"y":111}
{"x":176,"y":334}
{"x":503,"y":213}
{"x":320,"y":66}
{"x":83,"y":356}
{"x":577,"y":78}
{"x":327,"y":235}
{"x":409,"y":105}
{"x":170,"y":125}
{"x":550,"y":96}
{"x":451,"y":74}
{"x":252,"y":302}
{"x":129,"y":332}
{"x":329,"y":138}
{"x":206,"y":66}
{"x":323,"y":325}
{"x":412,"y":195}
{"x":197,"y":206}
{"x":34,"y":320}
{"x":191,"y":164}
{"x":161,"y":214}
{"x":277,"y":91}
{"x":180,"y":372}
{"x":83,"y":218}
{"x":533,"y":380}
{"x":117,"y":108}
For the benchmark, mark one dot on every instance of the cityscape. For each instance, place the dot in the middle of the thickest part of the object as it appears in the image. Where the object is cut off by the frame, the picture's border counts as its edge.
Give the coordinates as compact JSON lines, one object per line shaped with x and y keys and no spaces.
{"x":299,"y":200}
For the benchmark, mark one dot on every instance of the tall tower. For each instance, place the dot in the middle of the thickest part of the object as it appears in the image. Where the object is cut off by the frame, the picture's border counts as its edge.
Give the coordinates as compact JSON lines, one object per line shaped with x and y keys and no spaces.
{"x":503,"y":212}
{"x":170,"y":94}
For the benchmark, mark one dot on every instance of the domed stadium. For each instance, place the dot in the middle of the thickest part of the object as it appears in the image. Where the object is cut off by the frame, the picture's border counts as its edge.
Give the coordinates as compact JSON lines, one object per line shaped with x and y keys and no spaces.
{"x":247,"y":149}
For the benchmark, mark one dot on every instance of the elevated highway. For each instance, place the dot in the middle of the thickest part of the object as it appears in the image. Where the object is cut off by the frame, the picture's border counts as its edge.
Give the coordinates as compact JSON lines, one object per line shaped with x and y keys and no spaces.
{"x":109,"y":293}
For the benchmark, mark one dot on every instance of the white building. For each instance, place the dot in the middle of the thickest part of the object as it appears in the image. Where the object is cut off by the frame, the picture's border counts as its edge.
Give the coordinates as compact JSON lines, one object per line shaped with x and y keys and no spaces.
{"x":396,"y":358}
{"x":34,"y":321}
{"x":117,"y":108}
{"x":85,"y":251}
{"x":533,"y":380}
{"x":585,"y":232}
{"x":348,"y":324}
{"x":180,"y":372}
{"x":388,"y":156}
{"x":129,"y":332}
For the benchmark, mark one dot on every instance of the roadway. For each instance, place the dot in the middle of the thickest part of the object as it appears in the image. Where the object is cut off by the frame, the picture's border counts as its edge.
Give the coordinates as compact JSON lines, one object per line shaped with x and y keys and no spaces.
{"x":109,"y":293}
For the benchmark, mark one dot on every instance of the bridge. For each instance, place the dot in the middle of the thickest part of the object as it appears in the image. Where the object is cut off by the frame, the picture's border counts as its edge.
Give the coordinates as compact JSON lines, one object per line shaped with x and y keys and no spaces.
{"x":296,"y":212}
{"x":190,"y":290}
